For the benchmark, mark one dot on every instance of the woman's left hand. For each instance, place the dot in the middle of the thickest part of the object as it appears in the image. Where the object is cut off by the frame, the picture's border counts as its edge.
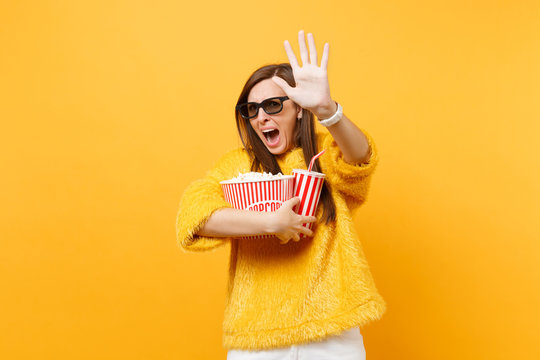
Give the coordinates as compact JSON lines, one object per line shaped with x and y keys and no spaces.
{"x":312,"y":91}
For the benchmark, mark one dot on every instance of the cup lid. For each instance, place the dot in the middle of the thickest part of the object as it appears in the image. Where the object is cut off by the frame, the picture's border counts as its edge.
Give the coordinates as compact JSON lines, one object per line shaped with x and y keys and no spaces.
{"x":312,"y":173}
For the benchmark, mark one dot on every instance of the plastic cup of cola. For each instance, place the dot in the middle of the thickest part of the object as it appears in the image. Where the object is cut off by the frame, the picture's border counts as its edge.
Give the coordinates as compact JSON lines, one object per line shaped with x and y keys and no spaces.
{"x":307,"y":186}
{"x":258,"y":195}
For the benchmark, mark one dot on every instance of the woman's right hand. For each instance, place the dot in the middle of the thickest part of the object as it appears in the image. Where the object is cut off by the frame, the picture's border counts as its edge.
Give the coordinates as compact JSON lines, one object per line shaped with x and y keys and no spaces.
{"x":285,"y":224}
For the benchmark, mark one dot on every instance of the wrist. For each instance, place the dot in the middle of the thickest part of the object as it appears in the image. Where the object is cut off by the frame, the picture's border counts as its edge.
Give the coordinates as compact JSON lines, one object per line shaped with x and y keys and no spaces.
{"x":326,"y":111}
{"x":268,"y":222}
{"x":335,"y":118}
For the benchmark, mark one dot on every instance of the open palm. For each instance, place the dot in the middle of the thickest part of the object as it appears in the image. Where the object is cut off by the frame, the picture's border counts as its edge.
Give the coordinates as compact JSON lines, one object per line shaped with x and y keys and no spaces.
{"x":312,"y":91}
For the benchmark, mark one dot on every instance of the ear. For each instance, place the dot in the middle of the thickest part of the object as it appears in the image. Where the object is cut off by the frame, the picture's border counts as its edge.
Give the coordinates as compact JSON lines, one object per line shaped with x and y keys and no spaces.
{"x":299,"y":111}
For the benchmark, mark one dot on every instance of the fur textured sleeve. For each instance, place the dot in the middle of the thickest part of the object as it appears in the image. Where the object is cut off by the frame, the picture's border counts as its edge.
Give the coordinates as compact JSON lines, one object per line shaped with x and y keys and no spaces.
{"x":352,"y":180}
{"x":199,"y":200}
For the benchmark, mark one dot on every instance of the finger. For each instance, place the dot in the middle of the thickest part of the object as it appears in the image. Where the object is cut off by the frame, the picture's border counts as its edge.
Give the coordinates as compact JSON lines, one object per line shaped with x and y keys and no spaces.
{"x":291,"y":204}
{"x":295,"y":204}
{"x":296,"y":237}
{"x":324,"y":59}
{"x":308,"y":219}
{"x":282,"y":84}
{"x":306,"y":231}
{"x":295,"y":200}
{"x":284,"y":241}
{"x":290,"y":54}
{"x":303,"y":48}
{"x":312,"y":49}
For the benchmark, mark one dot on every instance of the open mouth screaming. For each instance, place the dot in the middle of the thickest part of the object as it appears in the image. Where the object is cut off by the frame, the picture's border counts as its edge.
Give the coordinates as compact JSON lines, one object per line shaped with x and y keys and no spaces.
{"x":272,"y":137}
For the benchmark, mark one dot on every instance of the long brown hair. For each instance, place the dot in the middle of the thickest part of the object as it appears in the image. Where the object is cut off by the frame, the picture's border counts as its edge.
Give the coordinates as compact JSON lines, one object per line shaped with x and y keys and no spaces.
{"x":304,"y":135}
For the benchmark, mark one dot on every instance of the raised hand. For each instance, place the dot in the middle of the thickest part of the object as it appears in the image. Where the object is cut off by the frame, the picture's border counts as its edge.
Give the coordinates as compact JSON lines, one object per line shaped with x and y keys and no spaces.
{"x":312,"y":91}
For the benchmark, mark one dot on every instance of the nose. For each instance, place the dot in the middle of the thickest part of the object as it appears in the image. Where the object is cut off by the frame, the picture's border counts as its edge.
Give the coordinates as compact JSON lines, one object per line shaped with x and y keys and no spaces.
{"x":262,"y":116}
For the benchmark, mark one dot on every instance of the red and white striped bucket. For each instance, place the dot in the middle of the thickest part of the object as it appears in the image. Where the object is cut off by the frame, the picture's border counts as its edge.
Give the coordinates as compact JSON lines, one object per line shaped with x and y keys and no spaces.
{"x":307,"y":186}
{"x":258,"y":195}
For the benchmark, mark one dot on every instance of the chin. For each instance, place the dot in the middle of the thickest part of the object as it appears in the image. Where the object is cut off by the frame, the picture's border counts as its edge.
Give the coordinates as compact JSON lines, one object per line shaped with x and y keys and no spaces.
{"x":278,"y":151}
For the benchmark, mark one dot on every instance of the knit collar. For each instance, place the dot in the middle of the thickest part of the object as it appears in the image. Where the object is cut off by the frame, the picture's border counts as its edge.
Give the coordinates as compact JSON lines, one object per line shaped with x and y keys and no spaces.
{"x":293,"y":158}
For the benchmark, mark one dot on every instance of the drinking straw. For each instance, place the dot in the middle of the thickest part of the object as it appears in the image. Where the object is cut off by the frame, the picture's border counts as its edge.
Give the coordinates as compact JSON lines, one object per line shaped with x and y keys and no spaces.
{"x":313,"y":160}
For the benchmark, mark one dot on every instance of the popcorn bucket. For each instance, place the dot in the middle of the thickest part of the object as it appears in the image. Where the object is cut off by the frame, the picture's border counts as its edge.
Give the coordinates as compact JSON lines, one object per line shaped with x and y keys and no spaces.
{"x":307,"y":186}
{"x":258,"y":195}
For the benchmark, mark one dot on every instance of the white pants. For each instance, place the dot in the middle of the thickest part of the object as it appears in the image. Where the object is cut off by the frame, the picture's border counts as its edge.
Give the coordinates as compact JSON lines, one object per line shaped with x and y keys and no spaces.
{"x":348,"y":345}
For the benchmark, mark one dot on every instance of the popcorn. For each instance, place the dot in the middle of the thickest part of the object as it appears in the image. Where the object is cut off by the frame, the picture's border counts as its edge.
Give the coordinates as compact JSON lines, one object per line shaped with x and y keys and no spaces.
{"x":266,"y":192}
{"x":253,"y":176}
{"x":255,"y":191}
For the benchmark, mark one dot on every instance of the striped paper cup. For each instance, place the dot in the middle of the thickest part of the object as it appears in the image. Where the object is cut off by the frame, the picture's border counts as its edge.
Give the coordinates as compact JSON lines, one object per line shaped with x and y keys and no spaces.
{"x":307,"y":186}
{"x":258,"y":195}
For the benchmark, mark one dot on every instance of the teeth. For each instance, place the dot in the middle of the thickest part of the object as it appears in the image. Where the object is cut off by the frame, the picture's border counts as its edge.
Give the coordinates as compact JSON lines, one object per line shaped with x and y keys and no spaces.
{"x":268,"y":130}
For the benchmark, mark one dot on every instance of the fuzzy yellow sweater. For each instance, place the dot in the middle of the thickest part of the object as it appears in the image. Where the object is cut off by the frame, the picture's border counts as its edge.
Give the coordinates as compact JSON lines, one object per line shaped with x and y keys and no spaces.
{"x":284,"y":294}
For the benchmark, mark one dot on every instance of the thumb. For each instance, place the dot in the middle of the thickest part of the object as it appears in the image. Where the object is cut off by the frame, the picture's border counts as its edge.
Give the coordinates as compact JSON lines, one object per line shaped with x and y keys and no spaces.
{"x":282,"y":84}
{"x":292,"y":202}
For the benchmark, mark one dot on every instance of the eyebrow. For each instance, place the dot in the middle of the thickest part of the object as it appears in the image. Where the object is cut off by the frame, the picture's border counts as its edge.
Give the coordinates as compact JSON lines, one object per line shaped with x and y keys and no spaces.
{"x":270,"y":97}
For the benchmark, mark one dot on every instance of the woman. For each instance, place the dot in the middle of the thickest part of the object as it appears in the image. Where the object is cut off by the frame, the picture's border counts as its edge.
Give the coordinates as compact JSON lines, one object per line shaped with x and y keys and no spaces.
{"x":307,"y":297}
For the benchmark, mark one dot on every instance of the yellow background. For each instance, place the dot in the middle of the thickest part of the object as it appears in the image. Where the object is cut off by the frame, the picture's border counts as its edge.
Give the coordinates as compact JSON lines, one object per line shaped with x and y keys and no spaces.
{"x":109,"y":109}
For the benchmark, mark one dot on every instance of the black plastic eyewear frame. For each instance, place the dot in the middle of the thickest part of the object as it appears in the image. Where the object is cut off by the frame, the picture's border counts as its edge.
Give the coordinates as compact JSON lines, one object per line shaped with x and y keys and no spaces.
{"x":266,"y":104}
